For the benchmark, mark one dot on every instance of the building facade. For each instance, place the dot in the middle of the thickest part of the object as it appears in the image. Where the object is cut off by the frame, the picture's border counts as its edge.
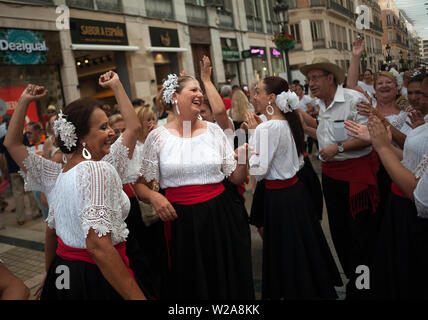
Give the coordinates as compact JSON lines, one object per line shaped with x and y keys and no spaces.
{"x":144,"y":41}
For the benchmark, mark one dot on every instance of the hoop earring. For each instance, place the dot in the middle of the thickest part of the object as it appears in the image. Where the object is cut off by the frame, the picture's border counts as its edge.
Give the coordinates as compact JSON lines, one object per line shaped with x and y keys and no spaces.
{"x":176,"y":107}
{"x":85,"y":152}
{"x":269,"y":109}
{"x":199,"y":117}
{"x":64,"y":158}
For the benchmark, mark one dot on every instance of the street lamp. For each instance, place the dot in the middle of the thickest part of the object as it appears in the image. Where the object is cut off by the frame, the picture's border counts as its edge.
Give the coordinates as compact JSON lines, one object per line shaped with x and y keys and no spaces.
{"x":401,"y":59}
{"x":281,"y":11}
{"x":388,"y":58}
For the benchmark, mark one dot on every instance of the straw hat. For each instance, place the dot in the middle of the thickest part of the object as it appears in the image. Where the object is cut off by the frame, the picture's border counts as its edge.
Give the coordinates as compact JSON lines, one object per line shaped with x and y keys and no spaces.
{"x":325,"y":64}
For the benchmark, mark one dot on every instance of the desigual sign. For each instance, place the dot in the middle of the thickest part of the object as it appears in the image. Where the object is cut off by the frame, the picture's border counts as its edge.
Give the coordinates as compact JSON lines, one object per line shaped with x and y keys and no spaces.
{"x":29,"y":47}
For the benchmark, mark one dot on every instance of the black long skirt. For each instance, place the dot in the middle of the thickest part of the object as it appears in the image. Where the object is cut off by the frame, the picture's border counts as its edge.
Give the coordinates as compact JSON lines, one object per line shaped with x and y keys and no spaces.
{"x":297,"y":262}
{"x":210,"y":251}
{"x":147,"y":253}
{"x":308,"y":177}
{"x":401,"y":257}
{"x":76,"y":280}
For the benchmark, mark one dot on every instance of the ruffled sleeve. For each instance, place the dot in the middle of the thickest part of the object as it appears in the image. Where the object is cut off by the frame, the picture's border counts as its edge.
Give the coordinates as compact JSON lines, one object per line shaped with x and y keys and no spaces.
{"x":99,"y":187}
{"x":421,"y":196}
{"x":422,"y":167}
{"x":41,"y":173}
{"x":150,"y":155}
{"x":128,"y":169}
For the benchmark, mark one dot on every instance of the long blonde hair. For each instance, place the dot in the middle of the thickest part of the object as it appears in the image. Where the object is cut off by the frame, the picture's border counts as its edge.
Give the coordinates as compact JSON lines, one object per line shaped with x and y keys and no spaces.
{"x":240,"y":106}
{"x":144,"y":114}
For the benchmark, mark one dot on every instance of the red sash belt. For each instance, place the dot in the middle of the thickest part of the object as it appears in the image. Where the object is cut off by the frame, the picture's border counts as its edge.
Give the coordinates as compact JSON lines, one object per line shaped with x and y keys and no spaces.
{"x":397,"y":191}
{"x":128,"y":190}
{"x":193,"y":194}
{"x":281,"y":184}
{"x":75,"y":254}
{"x":361,"y":173}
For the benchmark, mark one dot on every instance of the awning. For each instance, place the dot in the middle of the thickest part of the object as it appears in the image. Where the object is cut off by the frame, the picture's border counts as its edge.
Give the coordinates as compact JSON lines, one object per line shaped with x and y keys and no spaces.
{"x":103,"y":47}
{"x":165,"y":49}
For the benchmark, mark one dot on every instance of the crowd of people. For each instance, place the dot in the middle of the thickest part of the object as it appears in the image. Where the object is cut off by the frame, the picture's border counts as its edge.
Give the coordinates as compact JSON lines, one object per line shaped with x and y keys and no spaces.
{"x":148,"y":203}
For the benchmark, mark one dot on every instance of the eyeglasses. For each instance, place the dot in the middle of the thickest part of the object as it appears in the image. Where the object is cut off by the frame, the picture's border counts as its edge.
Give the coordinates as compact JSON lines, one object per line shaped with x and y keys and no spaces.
{"x":119,"y":131}
{"x":316,"y":78}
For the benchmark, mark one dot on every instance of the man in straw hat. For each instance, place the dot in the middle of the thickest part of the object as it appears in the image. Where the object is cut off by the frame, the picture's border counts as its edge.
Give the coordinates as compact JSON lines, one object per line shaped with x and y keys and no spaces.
{"x":349,"y":169}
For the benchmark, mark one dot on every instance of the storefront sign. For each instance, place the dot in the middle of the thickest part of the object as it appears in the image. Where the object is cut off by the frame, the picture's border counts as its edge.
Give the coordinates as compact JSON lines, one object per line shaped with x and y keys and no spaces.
{"x":161,"y":37}
{"x":97,"y":32}
{"x":29,"y":47}
{"x":230,"y":54}
{"x":275,"y":53}
{"x":9,"y":97}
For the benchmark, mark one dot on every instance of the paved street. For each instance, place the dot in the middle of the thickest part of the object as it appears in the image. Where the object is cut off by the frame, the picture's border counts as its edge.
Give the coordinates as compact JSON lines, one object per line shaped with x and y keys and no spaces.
{"x":21,"y":247}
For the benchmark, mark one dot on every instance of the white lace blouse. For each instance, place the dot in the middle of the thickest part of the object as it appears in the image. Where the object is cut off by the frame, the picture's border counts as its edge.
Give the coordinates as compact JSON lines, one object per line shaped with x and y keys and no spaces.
{"x":415,"y":147}
{"x":89,"y":195}
{"x":421,"y":192}
{"x":277,"y":159}
{"x":174,"y":161}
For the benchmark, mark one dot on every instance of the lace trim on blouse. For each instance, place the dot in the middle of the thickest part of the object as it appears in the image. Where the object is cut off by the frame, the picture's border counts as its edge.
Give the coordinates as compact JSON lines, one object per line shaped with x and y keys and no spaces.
{"x":41,"y":173}
{"x":101,"y":197}
{"x":421,"y":168}
{"x":157,"y":139}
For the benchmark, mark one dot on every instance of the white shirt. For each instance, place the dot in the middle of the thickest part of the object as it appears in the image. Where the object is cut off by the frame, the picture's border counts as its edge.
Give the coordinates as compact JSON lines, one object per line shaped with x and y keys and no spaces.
{"x":174,"y":161}
{"x":89,"y":195}
{"x":343,"y":107}
{"x":303,"y":103}
{"x":415,"y":147}
{"x":366,"y":87}
{"x":421,"y":192}
{"x":277,"y":159}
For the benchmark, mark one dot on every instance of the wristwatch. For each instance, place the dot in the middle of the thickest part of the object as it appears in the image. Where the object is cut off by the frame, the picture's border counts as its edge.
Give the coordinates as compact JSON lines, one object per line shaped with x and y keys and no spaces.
{"x":340,"y":147}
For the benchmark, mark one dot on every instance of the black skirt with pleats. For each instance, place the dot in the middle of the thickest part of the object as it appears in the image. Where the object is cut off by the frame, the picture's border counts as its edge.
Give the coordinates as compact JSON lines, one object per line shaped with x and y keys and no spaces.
{"x":297,"y":262}
{"x":210,"y":250}
{"x":401,"y":256}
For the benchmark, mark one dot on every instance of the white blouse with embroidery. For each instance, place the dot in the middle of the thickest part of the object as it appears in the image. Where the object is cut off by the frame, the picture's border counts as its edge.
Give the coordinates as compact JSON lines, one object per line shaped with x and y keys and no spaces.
{"x":89,"y":195}
{"x":174,"y":161}
{"x":415,"y":147}
{"x":421,"y":191}
{"x":277,"y":158}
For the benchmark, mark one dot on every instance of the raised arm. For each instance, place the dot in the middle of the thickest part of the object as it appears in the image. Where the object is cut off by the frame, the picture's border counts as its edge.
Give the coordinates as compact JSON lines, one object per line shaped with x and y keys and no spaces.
{"x":404,"y":178}
{"x":217,"y":105}
{"x":358,"y":48}
{"x":133,"y":126}
{"x":13,"y":140}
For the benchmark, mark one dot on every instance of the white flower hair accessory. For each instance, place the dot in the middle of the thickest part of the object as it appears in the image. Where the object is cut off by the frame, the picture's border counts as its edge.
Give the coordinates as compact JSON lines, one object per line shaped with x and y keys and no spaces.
{"x":398,"y":78}
{"x":287,"y":101}
{"x":169,"y":87}
{"x":65,"y":130}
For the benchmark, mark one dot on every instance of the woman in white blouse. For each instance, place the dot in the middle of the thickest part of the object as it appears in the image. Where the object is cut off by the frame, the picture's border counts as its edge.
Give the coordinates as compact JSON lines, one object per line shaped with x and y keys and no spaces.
{"x":297,"y":262}
{"x":400,"y":255}
{"x":85,"y":237}
{"x":208,"y":238}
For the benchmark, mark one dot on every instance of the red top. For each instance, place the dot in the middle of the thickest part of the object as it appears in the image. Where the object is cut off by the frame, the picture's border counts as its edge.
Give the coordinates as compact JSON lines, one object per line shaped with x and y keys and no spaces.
{"x":128,"y":190}
{"x":227,"y":103}
{"x":361,"y":173}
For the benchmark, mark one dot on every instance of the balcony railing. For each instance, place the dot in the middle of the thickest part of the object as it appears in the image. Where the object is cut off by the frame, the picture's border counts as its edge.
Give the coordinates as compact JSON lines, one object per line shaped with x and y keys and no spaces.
{"x":226,"y":19}
{"x":84,"y":4}
{"x":338,"y":8}
{"x":159,"y":9}
{"x":38,"y":1}
{"x":196,"y":14}
{"x":376,"y":27}
{"x":317,"y":44}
